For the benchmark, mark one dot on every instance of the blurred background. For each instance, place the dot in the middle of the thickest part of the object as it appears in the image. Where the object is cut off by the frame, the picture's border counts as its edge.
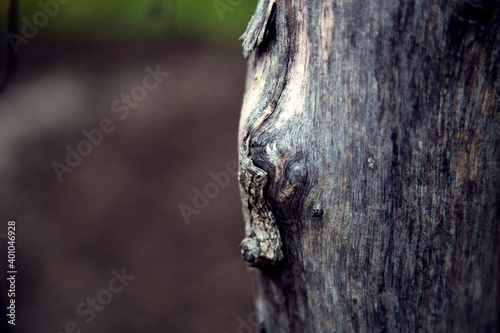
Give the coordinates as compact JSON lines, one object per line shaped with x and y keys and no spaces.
{"x":117,"y":209}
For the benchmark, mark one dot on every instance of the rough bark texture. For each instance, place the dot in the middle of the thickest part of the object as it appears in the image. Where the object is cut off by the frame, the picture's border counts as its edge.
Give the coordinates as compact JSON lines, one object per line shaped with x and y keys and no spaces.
{"x":373,"y":127}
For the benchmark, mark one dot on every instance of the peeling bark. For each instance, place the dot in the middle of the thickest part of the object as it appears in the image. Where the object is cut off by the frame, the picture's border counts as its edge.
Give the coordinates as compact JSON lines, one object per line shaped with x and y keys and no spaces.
{"x":369,"y":165}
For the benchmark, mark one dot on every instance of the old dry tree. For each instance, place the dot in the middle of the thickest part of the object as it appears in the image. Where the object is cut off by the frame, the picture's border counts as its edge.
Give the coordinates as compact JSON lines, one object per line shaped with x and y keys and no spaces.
{"x":369,"y":165}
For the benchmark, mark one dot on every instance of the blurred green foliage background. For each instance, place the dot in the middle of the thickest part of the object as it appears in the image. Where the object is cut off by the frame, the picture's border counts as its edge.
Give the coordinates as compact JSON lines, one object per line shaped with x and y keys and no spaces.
{"x":212,"y":20}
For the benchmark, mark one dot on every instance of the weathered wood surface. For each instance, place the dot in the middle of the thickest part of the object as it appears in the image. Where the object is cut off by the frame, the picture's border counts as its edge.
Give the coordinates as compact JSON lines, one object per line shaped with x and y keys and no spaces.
{"x":369,"y":163}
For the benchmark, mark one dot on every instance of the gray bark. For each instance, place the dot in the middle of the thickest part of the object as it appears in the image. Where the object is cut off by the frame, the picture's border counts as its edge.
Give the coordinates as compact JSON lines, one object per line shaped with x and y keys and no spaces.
{"x":369,"y":165}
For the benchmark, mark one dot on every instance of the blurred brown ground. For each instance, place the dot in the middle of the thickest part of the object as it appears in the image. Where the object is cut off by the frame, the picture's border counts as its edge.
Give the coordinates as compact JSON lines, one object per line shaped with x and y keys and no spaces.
{"x":119,"y":208}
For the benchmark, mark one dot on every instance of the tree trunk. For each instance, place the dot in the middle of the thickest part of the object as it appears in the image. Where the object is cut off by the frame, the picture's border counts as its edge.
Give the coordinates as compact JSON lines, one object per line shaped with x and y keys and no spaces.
{"x":369,"y":165}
